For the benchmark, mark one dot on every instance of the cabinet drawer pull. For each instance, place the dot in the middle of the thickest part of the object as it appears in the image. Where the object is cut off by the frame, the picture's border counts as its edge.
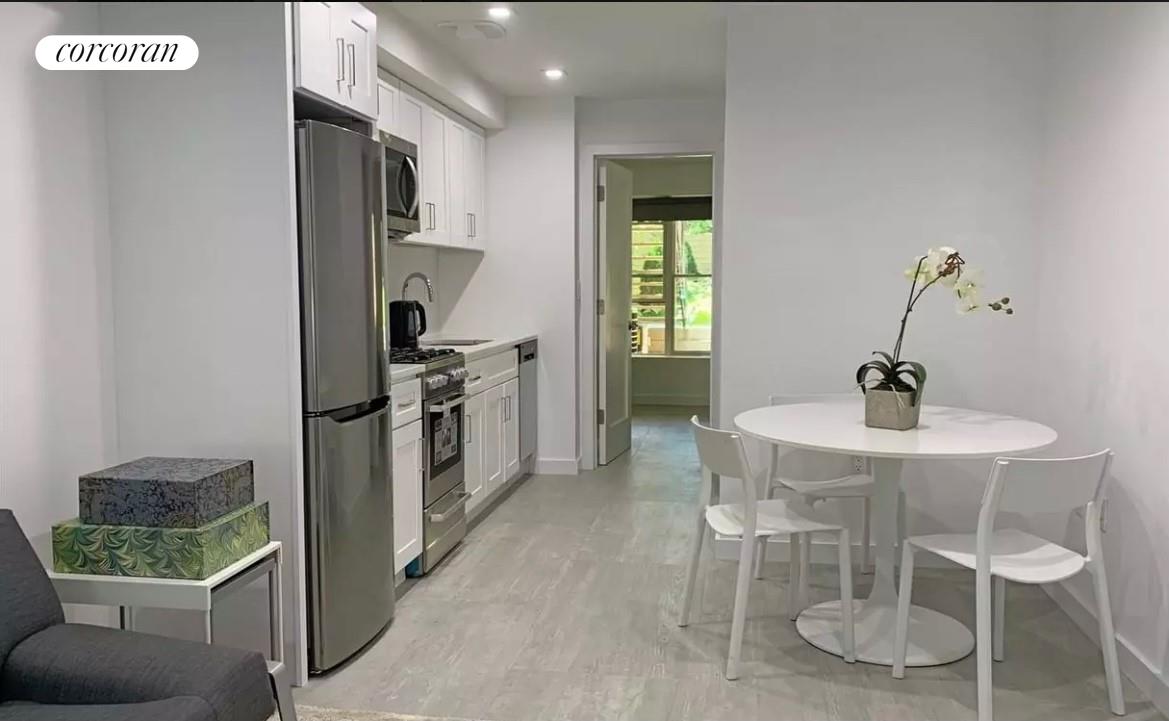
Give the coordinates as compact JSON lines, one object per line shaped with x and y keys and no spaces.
{"x":467,"y":430}
{"x":410,"y":403}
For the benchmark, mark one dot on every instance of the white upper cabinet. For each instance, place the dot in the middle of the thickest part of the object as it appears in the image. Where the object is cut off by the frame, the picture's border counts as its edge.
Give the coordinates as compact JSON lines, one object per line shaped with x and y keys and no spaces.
{"x":432,"y":152}
{"x":451,"y":166}
{"x":387,"y":107}
{"x":335,"y":54}
{"x":460,"y":219}
{"x":475,"y":157}
{"x":408,"y":117}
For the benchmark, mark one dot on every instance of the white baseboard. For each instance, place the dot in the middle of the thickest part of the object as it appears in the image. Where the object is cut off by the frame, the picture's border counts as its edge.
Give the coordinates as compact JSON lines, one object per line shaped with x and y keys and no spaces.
{"x":1141,"y":671}
{"x":671,"y":400}
{"x":557,"y":466}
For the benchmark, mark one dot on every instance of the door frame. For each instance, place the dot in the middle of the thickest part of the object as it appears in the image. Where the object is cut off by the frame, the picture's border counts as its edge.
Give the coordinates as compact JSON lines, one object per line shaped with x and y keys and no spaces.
{"x":588,"y":253}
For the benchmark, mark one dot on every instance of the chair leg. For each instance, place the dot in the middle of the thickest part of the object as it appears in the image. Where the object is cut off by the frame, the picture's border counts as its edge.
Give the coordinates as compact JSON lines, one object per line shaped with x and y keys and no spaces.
{"x":904,"y":598}
{"x":845,"y":562}
{"x":866,"y":537}
{"x":692,"y":571}
{"x":760,"y":556}
{"x":282,"y":690}
{"x":984,"y":643}
{"x":1000,"y":616}
{"x":805,"y":570}
{"x":793,"y":578}
{"x":1107,"y":637}
{"x":742,"y":590}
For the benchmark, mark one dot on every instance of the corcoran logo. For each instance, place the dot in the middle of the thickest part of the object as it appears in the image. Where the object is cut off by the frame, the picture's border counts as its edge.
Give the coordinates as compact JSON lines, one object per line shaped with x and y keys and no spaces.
{"x":117,"y":52}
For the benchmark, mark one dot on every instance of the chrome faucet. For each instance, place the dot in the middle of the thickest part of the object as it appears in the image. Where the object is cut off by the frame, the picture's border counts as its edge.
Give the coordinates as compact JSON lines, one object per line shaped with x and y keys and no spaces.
{"x":422,"y":276}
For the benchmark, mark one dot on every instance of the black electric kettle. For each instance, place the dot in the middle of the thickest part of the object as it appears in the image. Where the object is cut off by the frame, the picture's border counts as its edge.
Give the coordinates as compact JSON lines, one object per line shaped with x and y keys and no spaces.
{"x":407,"y":323}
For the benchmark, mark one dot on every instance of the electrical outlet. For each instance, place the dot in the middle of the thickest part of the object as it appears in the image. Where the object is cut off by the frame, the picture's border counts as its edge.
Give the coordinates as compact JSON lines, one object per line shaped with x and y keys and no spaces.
{"x":858,"y":464}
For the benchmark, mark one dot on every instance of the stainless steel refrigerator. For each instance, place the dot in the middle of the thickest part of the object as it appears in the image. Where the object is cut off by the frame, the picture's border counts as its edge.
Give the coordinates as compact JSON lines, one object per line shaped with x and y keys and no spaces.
{"x":347,"y":426}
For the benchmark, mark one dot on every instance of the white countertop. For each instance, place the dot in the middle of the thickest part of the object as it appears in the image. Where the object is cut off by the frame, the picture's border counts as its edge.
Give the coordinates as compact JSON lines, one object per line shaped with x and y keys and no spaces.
{"x":472,"y":352}
{"x":404,"y":371}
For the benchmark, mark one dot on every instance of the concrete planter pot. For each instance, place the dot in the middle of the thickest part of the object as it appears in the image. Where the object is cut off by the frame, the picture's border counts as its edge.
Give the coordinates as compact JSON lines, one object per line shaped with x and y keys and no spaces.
{"x":895,"y":410}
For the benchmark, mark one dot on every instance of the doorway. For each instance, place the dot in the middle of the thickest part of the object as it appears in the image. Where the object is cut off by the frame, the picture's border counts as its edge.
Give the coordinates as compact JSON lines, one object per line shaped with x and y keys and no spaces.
{"x":655,"y":233}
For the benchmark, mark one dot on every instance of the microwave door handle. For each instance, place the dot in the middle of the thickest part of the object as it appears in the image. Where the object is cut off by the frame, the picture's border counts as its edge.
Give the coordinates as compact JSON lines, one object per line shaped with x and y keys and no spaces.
{"x":413,"y":202}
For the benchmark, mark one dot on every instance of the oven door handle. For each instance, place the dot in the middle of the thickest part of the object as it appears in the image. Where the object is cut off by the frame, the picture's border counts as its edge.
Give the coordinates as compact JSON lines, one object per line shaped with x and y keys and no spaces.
{"x":458,"y":505}
{"x":448,"y":405}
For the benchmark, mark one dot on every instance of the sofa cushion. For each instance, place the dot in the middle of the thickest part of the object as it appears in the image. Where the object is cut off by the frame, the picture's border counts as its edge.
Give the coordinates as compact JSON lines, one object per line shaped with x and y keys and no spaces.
{"x":180,"y":708}
{"x":80,"y":664}
{"x":27,"y":596}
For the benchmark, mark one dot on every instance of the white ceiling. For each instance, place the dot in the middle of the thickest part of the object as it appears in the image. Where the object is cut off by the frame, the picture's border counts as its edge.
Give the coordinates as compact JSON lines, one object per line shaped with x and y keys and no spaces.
{"x":607,"y":49}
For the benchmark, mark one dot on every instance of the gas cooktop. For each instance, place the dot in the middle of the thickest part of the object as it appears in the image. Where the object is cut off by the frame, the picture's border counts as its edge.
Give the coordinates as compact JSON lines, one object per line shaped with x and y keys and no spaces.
{"x":419,"y":355}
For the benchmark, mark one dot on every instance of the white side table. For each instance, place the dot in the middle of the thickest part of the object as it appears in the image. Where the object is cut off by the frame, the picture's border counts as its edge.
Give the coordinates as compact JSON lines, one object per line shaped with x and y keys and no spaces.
{"x":943,"y":434}
{"x":130,"y":592}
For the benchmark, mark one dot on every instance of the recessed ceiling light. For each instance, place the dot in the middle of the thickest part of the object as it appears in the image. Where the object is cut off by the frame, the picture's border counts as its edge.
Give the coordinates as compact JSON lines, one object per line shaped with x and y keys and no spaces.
{"x":553,"y":73}
{"x":499,"y":12}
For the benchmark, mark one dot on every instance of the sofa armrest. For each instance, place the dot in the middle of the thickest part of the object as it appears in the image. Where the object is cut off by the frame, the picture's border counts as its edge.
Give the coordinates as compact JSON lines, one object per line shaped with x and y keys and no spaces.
{"x":80,"y":664}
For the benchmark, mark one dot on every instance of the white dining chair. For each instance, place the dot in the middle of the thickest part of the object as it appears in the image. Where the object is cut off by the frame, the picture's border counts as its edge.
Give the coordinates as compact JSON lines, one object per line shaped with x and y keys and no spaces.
{"x":1021,"y":485}
{"x":792,"y":468}
{"x":722,"y":452}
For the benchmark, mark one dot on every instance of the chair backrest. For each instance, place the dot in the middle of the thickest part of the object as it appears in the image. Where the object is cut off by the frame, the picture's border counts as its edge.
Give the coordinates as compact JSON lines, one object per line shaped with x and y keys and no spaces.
{"x":28,"y":601}
{"x":805,"y":465}
{"x":1045,"y":485}
{"x":722,"y":452}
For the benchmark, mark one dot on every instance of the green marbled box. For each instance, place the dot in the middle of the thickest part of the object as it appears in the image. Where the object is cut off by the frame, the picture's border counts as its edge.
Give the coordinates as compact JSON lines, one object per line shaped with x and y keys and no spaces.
{"x":189,"y":553}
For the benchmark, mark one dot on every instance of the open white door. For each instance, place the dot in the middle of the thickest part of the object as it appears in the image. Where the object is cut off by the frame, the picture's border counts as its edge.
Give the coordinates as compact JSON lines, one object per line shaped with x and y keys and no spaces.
{"x":614,"y":373}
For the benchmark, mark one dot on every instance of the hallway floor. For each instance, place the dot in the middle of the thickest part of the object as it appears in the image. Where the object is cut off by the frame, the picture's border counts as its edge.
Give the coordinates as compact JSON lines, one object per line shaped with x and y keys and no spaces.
{"x":562,"y":604}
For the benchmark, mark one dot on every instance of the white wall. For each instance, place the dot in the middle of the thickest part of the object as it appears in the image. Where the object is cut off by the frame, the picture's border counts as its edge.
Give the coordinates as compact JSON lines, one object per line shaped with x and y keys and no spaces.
{"x":650,"y":120}
{"x":401,"y":261}
{"x":671,"y":381}
{"x":660,"y":177}
{"x":857,"y":136}
{"x":204,"y":256}
{"x":56,"y":357}
{"x":525,"y":281}
{"x":1102,"y":341}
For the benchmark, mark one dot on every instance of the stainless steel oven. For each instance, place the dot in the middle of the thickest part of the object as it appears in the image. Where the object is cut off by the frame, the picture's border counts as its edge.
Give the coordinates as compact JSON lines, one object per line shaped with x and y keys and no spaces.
{"x":400,"y":186}
{"x":444,"y":495}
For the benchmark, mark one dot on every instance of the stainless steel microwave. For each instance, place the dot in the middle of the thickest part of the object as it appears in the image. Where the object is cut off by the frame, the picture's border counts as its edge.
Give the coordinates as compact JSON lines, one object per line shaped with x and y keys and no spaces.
{"x":400,"y":185}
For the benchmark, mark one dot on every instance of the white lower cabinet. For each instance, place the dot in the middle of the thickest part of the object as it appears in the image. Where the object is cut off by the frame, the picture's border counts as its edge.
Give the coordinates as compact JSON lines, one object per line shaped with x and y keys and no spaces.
{"x":491,"y":453}
{"x":493,"y":438}
{"x":408,"y":460}
{"x":473,"y":450}
{"x":511,"y":429}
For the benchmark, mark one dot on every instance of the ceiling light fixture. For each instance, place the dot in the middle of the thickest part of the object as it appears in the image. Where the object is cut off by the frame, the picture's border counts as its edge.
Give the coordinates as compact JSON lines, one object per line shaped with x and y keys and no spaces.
{"x":499,"y":12}
{"x":554,"y":73}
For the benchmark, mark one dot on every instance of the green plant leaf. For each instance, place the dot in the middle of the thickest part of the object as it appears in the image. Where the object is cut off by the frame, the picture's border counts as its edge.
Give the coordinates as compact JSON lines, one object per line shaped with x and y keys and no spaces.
{"x":888,"y":358}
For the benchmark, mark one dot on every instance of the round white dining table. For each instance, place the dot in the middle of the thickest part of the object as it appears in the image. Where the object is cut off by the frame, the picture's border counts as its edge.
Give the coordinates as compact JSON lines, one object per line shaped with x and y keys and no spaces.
{"x":942,"y":434}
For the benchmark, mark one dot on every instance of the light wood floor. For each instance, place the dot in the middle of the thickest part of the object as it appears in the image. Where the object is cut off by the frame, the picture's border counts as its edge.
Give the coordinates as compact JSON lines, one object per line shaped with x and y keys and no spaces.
{"x":562,"y":604}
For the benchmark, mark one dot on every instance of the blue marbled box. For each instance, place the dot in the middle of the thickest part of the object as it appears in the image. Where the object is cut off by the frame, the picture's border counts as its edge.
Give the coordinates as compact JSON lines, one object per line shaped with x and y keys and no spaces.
{"x":165,"y":492}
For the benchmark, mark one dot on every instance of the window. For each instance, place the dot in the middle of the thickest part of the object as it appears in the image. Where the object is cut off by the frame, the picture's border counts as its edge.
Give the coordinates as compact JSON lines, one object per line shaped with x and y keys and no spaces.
{"x":672,"y":291}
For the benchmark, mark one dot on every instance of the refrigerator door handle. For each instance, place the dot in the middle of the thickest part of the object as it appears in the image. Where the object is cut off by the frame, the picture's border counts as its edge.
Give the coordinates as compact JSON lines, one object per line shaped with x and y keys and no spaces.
{"x":351,"y":414}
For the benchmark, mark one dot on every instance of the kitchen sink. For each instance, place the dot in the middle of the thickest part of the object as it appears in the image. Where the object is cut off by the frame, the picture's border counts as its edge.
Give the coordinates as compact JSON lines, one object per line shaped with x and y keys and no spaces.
{"x":456,"y":341}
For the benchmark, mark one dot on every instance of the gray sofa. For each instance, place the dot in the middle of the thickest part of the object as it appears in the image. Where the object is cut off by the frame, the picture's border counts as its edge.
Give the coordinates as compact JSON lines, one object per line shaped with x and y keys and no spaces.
{"x":56,"y":671}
